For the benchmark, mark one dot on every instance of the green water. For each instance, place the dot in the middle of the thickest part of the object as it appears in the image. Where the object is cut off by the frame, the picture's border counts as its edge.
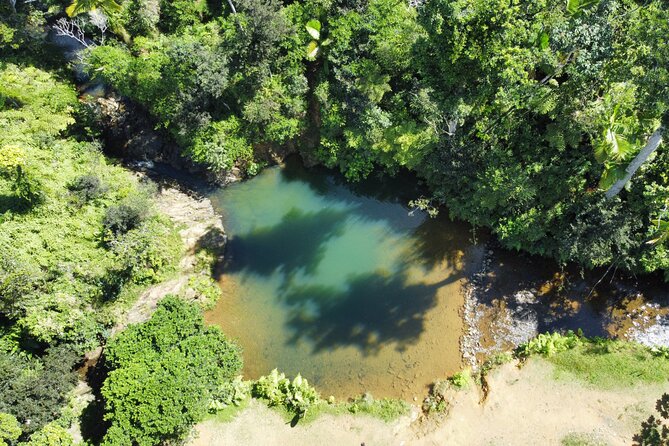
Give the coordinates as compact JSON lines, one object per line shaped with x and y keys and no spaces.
{"x":341,"y":283}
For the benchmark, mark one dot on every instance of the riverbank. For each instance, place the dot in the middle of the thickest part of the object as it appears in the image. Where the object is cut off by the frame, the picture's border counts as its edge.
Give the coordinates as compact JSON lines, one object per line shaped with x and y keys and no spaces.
{"x":513,"y":297}
{"x":203,"y":237}
{"x":525,"y":405}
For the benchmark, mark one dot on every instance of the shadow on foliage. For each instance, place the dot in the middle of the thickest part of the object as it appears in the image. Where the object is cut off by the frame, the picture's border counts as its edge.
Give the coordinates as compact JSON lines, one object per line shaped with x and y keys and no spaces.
{"x":14,"y":204}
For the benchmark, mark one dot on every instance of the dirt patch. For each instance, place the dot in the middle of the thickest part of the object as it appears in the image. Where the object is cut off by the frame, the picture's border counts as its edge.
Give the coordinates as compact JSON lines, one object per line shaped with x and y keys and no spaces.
{"x":524,"y":406}
{"x":200,"y":228}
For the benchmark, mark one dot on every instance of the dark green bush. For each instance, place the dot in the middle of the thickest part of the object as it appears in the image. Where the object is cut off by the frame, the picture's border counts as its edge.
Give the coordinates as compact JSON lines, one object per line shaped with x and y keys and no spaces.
{"x":36,"y":389}
{"x":162,"y":374}
{"x":87,"y":187}
{"x":123,"y":217}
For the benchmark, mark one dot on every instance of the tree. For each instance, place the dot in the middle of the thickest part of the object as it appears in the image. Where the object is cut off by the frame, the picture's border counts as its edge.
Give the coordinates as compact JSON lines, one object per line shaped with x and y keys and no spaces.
{"x":655,"y":430}
{"x":51,"y":435}
{"x":9,"y":429}
{"x":81,"y":6}
{"x":162,"y":373}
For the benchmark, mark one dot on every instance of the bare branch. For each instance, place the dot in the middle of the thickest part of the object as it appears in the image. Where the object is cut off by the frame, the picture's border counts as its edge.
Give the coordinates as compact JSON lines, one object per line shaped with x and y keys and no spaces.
{"x":72,"y":28}
{"x":99,"y":19}
{"x":650,"y":147}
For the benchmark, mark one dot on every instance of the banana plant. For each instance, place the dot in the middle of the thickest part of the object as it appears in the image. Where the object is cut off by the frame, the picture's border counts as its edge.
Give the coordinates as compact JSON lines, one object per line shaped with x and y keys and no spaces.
{"x":614,"y":148}
{"x":316,"y":46}
{"x":79,"y":6}
{"x":576,"y":7}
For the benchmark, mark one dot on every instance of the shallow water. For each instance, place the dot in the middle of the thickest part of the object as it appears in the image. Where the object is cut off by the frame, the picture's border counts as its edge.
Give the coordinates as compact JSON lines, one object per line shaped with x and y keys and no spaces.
{"x":341,"y":283}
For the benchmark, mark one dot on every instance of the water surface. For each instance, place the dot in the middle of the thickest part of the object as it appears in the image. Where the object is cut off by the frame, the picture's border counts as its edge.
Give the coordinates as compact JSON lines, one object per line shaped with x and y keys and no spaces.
{"x":341,"y":283}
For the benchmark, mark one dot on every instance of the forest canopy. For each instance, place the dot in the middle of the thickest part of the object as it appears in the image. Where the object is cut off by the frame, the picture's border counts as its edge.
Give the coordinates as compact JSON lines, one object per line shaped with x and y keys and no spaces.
{"x":520,"y":116}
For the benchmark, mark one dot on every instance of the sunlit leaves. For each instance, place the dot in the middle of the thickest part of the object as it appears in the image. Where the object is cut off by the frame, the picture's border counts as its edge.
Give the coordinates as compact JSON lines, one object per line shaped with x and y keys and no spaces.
{"x":79,"y":6}
{"x":314,"y":29}
{"x":575,"y":7}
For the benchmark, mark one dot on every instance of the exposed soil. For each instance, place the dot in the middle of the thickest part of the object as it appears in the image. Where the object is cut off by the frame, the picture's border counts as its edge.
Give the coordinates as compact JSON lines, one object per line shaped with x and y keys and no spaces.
{"x":523,"y":406}
{"x":199,"y":227}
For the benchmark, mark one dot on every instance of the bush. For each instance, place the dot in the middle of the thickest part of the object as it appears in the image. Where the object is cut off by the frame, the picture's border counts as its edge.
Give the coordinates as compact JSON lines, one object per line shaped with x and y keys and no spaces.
{"x":121,"y":218}
{"x":296,"y":395}
{"x":51,"y":435}
{"x":230,"y":393}
{"x":207,"y":291}
{"x":461,"y":380}
{"x":36,"y":389}
{"x":144,"y":254}
{"x":9,"y":429}
{"x":548,"y":344}
{"x":162,"y":375}
{"x":86,"y":188}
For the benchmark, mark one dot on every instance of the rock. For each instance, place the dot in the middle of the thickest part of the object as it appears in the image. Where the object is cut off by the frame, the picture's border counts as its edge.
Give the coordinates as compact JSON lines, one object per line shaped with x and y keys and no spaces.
{"x":525,"y":297}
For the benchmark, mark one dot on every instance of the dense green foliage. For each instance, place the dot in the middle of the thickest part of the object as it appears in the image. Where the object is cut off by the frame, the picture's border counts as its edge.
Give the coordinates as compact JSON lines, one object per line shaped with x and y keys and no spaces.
{"x":162,"y":374}
{"x":35,"y":389}
{"x":63,"y":256}
{"x":9,"y":429}
{"x":64,"y":268}
{"x":517,"y":115}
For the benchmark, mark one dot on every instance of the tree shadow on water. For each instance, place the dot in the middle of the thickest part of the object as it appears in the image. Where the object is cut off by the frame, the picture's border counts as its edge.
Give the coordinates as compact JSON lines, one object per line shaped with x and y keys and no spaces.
{"x":373,"y":311}
{"x":296,"y":244}
{"x":440,"y":240}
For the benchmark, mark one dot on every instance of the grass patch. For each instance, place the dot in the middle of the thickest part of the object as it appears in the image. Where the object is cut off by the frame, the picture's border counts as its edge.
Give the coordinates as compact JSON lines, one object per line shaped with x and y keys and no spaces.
{"x":610,"y":364}
{"x":581,"y":439}
{"x":385,"y":409}
{"x":229,"y":413}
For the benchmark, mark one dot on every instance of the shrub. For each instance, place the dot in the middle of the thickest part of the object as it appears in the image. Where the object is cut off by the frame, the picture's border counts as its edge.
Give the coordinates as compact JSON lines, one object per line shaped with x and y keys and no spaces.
{"x":36,"y":389}
{"x":461,"y":380}
{"x":51,"y":435}
{"x":14,"y":167}
{"x":230,"y":393}
{"x":9,"y":429}
{"x":144,"y":254}
{"x":296,"y":396}
{"x":87,"y":187}
{"x":207,"y":292}
{"x":221,"y":145}
{"x":548,"y":344}
{"x":121,"y":218}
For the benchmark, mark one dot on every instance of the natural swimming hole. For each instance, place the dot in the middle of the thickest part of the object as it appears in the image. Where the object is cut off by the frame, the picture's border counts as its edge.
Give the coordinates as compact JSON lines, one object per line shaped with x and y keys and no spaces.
{"x":341,"y":282}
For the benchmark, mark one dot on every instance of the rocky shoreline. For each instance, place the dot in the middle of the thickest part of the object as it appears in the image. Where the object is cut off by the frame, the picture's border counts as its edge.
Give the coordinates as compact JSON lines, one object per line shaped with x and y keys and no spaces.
{"x":512,"y":297}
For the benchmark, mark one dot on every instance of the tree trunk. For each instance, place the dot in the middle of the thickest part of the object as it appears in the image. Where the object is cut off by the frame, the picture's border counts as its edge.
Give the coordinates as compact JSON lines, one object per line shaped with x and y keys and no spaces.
{"x":650,"y":147}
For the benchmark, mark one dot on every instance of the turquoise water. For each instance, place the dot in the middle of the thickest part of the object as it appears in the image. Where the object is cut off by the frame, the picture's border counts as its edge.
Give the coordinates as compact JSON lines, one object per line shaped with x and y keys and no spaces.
{"x":341,"y":283}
